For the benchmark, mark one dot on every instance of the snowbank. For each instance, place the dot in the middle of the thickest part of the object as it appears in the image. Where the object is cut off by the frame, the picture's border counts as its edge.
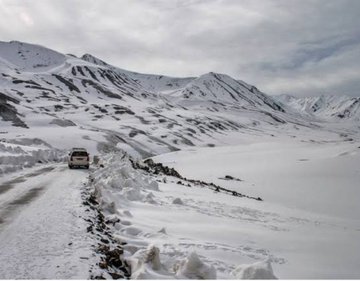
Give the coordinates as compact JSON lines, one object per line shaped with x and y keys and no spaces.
{"x":119,"y":182}
{"x":15,"y":157}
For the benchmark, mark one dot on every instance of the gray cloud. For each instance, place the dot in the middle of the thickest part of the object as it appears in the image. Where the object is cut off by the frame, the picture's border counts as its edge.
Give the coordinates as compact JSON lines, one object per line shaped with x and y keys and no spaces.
{"x":281,"y":46}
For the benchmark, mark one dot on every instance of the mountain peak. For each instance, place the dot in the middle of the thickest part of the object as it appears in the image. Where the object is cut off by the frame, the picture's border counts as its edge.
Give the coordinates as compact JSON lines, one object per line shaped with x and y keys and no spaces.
{"x":90,"y":58}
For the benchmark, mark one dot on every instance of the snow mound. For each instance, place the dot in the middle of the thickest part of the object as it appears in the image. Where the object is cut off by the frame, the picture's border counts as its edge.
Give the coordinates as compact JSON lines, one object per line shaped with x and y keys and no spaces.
{"x":118,"y":181}
{"x":146,"y":265}
{"x":178,"y":201}
{"x":193,"y":268}
{"x":258,"y":270}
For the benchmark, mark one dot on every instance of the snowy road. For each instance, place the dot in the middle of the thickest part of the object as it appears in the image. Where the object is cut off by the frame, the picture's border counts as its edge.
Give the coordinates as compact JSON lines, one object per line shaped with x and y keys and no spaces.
{"x":42,"y":230}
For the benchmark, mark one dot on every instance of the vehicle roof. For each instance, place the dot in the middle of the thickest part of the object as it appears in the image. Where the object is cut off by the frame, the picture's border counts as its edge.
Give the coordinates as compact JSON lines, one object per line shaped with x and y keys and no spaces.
{"x":78,"y":149}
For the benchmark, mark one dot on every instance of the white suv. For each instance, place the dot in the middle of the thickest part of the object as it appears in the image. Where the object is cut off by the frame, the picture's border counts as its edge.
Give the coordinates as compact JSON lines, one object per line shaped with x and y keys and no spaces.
{"x":79,"y":157}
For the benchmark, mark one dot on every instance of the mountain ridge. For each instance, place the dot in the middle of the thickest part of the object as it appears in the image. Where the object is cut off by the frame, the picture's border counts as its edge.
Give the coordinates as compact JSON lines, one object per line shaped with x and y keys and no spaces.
{"x":87,"y":101}
{"x":325,"y":106}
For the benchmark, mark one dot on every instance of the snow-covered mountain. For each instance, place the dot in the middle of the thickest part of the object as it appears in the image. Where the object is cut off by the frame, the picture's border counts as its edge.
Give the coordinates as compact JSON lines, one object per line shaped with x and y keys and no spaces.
{"x":325,"y":106}
{"x":88,"y":102}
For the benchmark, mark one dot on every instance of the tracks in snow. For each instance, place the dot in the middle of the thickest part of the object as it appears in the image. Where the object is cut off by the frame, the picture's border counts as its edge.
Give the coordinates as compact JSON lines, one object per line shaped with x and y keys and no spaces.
{"x":42,"y":227}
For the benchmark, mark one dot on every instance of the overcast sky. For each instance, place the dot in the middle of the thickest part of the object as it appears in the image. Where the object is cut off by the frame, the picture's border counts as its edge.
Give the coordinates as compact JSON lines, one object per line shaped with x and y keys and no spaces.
{"x":302,"y":47}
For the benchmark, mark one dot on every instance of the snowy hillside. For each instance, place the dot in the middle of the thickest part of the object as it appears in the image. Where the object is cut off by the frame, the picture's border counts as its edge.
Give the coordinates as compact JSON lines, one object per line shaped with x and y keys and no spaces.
{"x":27,"y":57}
{"x":325,"y":107}
{"x":105,"y":107}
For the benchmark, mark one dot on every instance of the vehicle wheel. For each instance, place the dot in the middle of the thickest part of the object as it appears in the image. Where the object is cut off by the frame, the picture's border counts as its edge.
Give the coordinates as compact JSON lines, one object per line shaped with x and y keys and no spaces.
{"x":70,"y":166}
{"x":87,"y":166}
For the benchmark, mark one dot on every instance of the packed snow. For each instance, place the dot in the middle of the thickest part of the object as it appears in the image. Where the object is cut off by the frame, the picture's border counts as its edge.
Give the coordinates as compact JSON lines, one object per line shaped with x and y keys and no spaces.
{"x":42,"y":232}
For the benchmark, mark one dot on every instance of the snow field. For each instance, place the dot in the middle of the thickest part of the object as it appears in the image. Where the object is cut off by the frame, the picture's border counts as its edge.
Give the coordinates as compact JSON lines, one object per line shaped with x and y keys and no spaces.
{"x":217,"y":235}
{"x":282,"y":172}
{"x":176,"y":233}
{"x":310,"y":212}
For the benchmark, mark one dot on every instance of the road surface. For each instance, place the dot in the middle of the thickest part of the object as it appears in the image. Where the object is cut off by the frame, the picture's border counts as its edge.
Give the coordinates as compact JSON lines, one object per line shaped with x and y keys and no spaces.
{"x":42,"y":227}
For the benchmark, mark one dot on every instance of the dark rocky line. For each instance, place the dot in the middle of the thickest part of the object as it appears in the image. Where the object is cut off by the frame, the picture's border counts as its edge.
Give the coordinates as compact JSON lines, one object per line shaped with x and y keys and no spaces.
{"x":91,"y":73}
{"x":8,"y":112}
{"x":159,"y":169}
{"x":68,"y":83}
{"x":40,"y":88}
{"x":19,"y":81}
{"x":111,"y":252}
{"x":239,"y":94}
{"x":101,"y":89}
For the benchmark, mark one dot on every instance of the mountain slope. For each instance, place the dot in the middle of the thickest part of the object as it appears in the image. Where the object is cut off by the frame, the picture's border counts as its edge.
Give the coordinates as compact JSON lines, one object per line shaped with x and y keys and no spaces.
{"x":28,"y":57}
{"x":70,"y":101}
{"x":326,"y":107}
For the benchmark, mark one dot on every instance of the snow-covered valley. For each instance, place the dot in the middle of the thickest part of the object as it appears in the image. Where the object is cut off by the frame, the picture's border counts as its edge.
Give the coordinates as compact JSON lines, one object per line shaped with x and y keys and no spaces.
{"x":229,"y":144}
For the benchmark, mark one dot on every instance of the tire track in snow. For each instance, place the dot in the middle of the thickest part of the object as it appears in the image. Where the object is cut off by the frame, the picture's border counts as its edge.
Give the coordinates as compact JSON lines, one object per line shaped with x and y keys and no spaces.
{"x":6,"y":186}
{"x":10,"y":209}
{"x":16,"y":205}
{"x":43,"y":233}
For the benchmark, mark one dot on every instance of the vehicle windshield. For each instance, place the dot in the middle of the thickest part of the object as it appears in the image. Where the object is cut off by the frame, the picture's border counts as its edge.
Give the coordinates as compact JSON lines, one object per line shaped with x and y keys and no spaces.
{"x":79,"y":153}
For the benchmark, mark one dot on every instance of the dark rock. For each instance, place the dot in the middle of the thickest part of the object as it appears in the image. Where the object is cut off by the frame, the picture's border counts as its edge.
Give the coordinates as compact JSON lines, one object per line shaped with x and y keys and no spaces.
{"x":103,"y":240}
{"x":98,"y":277}
{"x":103,"y":264}
{"x":116,"y":276}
